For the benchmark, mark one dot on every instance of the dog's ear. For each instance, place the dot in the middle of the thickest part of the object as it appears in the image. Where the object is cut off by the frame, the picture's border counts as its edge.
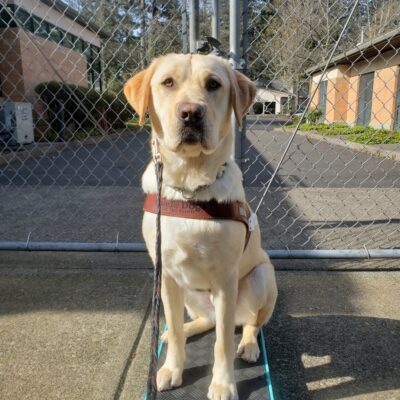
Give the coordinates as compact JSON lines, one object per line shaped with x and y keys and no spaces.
{"x":243,"y":93}
{"x":137,"y":91}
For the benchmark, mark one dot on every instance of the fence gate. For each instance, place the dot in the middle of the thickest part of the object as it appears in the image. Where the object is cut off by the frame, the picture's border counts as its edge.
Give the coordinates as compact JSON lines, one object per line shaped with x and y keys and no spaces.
{"x":72,"y":152}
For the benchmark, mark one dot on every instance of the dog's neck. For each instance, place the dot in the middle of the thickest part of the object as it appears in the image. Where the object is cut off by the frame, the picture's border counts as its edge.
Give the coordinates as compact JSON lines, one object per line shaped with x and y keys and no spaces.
{"x":191,"y":173}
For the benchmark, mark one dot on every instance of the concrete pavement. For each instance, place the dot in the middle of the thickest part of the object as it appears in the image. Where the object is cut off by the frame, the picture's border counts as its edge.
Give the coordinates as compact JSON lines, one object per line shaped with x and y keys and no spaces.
{"x":69,"y":332}
{"x":75,"y":326}
{"x":335,"y":335}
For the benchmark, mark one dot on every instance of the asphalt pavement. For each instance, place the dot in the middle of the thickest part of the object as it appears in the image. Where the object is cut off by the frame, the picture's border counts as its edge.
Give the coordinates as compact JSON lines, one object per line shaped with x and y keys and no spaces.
{"x":324,"y":195}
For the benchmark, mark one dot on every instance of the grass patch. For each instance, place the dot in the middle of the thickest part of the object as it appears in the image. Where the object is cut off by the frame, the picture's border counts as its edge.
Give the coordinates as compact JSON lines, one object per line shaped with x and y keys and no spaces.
{"x":381,"y":136}
{"x":82,"y":135}
{"x":134,"y":123}
{"x":358,"y":133}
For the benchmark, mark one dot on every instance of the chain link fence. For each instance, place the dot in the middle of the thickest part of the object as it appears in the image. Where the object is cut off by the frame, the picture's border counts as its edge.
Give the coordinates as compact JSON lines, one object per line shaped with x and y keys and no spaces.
{"x":75,"y":177}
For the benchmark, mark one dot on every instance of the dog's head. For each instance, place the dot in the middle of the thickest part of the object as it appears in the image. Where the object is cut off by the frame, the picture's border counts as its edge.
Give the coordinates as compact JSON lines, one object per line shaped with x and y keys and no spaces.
{"x":190,"y":99}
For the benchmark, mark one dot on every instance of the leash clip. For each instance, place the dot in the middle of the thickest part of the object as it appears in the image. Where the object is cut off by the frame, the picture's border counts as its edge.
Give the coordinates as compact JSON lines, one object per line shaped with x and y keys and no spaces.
{"x":252,"y":221}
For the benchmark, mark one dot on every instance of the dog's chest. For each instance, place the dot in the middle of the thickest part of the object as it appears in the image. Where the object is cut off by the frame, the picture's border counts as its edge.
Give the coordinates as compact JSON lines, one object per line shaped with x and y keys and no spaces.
{"x":194,"y":251}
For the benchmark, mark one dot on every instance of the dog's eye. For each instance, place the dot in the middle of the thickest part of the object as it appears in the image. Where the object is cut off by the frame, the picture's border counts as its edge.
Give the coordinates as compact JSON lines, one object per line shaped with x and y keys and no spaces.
{"x":212,"y":85}
{"x":169,"y":82}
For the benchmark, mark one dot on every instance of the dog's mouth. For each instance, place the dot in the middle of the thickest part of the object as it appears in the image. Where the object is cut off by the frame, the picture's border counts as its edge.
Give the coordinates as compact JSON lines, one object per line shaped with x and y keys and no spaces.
{"x":193,"y":135}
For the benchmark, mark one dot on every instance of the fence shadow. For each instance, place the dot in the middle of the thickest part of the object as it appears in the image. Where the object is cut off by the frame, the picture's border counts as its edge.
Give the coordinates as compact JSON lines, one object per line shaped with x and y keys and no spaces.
{"x":329,"y":357}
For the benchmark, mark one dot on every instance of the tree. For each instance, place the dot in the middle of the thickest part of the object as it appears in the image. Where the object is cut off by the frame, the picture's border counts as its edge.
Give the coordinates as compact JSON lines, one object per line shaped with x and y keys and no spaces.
{"x":376,"y":17}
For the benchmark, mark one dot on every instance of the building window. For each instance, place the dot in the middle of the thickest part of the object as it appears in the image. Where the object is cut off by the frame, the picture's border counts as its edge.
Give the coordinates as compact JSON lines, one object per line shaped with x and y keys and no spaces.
{"x":365,"y":99}
{"x":25,"y":19}
{"x":79,"y":45}
{"x":94,"y":67}
{"x":6,"y":21}
{"x":41,"y":28}
{"x":68,"y":41}
{"x":323,"y":92}
{"x":54,"y":34}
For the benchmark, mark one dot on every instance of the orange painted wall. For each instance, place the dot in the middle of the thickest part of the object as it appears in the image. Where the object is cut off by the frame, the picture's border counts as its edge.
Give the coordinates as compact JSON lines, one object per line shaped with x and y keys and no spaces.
{"x":384,"y":98}
{"x":336,"y":101}
{"x":315,"y":100}
{"x":352,"y":100}
{"x":340,"y":99}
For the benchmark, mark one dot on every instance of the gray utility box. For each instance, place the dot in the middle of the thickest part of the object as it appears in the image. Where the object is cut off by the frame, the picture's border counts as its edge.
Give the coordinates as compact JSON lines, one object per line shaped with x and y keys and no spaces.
{"x":16,"y":126}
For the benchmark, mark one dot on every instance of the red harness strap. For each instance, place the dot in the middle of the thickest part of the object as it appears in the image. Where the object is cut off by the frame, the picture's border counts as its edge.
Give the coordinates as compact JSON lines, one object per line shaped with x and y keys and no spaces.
{"x":208,"y":210}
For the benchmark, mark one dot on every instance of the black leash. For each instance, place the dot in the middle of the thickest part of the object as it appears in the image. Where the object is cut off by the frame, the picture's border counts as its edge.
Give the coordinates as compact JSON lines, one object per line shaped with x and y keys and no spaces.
{"x":156,"y":301}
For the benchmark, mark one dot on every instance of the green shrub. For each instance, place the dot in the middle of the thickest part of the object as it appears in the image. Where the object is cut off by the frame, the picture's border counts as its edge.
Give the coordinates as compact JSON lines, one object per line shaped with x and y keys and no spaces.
{"x":83,"y":106}
{"x":313,"y":115}
{"x":294,"y":120}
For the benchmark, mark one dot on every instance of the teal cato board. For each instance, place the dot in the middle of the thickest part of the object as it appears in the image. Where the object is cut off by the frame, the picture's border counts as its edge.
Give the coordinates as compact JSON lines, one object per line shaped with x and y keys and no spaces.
{"x":253,"y":380}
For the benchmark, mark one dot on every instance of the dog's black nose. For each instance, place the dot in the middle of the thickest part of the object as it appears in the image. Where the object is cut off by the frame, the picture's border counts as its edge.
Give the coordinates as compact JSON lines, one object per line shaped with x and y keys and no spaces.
{"x":190,"y":113}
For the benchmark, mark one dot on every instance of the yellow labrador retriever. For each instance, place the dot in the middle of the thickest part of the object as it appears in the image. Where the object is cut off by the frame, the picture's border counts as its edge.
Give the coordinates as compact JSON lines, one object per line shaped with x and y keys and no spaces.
{"x":205,"y":267}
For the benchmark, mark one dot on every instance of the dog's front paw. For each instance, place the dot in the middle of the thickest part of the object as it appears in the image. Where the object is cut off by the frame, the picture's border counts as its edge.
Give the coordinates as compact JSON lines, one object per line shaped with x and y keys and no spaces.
{"x":221,"y":391}
{"x":248,"y":351}
{"x":168,"y":379}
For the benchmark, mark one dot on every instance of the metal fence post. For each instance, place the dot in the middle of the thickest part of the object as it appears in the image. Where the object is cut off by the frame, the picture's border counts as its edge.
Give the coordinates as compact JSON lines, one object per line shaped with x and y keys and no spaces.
{"x":185,"y":42}
{"x":234,"y":45}
{"x":245,"y":35}
{"x":215,"y":20}
{"x":142,"y":34}
{"x":245,"y":53}
{"x":194,"y":30}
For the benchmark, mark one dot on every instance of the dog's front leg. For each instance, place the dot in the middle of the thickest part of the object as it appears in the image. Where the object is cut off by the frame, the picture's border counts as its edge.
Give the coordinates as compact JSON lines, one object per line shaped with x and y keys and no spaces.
{"x":170,"y":374}
{"x":223,"y":386}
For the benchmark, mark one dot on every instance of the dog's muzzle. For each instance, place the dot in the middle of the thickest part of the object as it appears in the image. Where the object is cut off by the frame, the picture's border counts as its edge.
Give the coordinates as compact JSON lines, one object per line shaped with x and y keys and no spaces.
{"x":191,"y":116}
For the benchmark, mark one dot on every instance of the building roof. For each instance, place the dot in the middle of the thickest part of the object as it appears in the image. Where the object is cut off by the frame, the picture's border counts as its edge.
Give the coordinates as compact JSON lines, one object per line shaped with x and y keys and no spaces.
{"x":275,"y":85}
{"x":363,"y":51}
{"x":73,"y":14}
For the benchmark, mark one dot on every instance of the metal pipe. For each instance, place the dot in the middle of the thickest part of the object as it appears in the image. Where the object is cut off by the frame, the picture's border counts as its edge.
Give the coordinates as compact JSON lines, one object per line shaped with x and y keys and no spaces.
{"x":234,"y":33}
{"x":245,"y":52}
{"x":245,"y":35}
{"x":185,"y":42}
{"x":215,"y":20}
{"x":234,"y":46}
{"x":72,"y":246}
{"x":194,"y":25}
{"x":140,"y":247}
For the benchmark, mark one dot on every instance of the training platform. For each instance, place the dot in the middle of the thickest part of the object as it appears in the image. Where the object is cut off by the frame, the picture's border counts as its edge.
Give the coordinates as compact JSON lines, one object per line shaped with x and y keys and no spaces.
{"x":253,"y":380}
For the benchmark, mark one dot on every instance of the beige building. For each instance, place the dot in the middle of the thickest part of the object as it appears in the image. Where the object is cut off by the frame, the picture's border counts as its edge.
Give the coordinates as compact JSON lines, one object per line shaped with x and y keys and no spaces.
{"x":361,"y":86}
{"x":70,"y":43}
{"x":272,"y":98}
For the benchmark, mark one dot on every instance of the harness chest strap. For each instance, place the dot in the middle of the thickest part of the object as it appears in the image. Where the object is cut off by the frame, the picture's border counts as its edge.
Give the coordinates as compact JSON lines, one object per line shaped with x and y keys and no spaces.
{"x":206,"y":210}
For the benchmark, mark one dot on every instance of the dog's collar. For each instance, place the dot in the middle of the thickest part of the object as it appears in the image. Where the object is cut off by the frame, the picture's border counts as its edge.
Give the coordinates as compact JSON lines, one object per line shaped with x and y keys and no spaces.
{"x":190,"y":194}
